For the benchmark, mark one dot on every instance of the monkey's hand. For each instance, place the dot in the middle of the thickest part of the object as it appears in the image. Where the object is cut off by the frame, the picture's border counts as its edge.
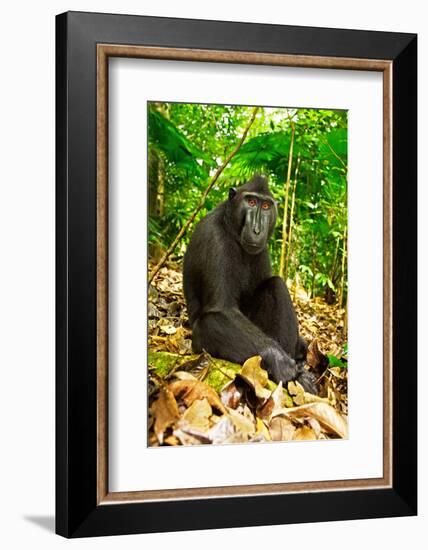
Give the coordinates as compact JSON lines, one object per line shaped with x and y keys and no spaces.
{"x":282,"y":368}
{"x":307,"y":380}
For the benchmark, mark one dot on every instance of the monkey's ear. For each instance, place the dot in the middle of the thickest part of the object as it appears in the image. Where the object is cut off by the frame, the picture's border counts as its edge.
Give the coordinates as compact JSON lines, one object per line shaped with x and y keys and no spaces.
{"x":232,"y":193}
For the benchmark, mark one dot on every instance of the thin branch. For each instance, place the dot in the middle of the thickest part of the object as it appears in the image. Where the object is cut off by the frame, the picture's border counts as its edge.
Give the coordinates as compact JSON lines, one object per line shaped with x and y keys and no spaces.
{"x":185,"y":227}
{"x":336,"y":155}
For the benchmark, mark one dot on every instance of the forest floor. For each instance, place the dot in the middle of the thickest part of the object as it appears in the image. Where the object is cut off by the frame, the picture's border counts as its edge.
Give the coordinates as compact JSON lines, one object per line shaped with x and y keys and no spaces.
{"x":199,"y":399}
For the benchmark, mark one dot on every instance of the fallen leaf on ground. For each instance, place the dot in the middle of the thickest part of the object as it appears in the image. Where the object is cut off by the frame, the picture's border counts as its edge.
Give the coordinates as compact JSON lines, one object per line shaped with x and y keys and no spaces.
{"x":192,"y":390}
{"x":171,"y":440}
{"x":297,"y":392}
{"x":326,"y":415}
{"x":255,"y":376}
{"x":316,"y":359}
{"x":197,"y":415}
{"x":242,"y":423}
{"x":231,"y":395}
{"x":304,"y":433}
{"x":274,"y":402}
{"x":166,"y":327}
{"x":197,"y":366}
{"x":281,"y":429}
{"x":315,"y":425}
{"x":222,"y":431}
{"x":188,"y":436}
{"x":262,"y":429}
{"x":165,"y":411}
{"x":178,"y":342}
{"x":311,"y":398}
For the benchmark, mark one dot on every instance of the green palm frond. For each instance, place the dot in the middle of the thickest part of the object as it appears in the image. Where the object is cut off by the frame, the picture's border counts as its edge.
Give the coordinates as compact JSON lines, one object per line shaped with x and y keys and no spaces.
{"x":174,"y":144}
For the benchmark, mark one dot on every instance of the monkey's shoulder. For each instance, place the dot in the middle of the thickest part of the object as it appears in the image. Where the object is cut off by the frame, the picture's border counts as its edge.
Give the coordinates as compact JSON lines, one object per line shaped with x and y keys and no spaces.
{"x":210,"y":226}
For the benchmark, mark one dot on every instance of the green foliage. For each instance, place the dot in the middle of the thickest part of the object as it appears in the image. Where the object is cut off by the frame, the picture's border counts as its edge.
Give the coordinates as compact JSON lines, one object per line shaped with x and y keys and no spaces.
{"x":334,"y":361}
{"x":155,"y":231}
{"x":194,"y":139}
{"x":178,"y":150}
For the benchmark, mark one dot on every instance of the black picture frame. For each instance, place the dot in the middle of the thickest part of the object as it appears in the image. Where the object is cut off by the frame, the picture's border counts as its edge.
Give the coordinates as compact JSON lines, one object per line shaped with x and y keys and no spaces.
{"x":78,"y":511}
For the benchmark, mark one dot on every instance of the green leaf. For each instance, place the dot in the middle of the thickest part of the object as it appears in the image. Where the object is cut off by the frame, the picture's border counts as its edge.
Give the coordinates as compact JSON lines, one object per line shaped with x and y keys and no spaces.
{"x":176,"y":147}
{"x":335,"y":362}
{"x":306,"y":269}
{"x":334,"y":147}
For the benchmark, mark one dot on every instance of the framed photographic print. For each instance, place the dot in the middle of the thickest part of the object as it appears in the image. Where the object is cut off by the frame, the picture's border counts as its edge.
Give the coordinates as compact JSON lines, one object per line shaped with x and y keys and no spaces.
{"x":236,"y":274}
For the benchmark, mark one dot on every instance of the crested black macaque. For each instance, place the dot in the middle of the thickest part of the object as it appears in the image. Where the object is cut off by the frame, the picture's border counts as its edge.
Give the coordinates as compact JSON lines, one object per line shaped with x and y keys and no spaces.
{"x":236,"y":308}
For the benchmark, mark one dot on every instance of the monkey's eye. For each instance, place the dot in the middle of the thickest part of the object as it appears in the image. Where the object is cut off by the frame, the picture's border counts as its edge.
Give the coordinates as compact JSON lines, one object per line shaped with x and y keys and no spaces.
{"x":266,"y":206}
{"x":252,"y":202}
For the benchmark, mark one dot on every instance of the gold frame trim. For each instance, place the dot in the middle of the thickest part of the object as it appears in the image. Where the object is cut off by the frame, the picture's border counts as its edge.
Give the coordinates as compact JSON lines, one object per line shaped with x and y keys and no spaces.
{"x":104,"y":51}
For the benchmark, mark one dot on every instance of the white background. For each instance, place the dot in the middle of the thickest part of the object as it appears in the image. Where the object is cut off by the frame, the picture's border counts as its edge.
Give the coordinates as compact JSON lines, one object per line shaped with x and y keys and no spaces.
{"x":27,"y":273}
{"x":132,"y":82}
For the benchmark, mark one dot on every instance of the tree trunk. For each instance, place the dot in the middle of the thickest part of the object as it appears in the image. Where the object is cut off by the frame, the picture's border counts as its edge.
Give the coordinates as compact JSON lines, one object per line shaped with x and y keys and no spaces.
{"x":285,"y":218}
{"x":313,"y":266}
{"x":152,"y":174}
{"x":161,"y":188}
{"x":290,"y":229}
{"x":156,"y":171}
{"x":334,"y":263}
{"x":156,"y":176}
{"x":296,"y":282}
{"x":342,"y":281}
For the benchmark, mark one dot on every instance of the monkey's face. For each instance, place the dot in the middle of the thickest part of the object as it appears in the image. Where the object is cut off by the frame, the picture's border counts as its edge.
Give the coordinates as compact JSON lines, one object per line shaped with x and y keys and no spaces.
{"x":258,"y":214}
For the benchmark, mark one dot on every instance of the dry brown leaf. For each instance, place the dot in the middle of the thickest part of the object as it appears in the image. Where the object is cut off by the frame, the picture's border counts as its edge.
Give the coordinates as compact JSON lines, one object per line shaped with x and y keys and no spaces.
{"x":191,"y":437}
{"x":197,"y":415}
{"x":311,"y":398}
{"x":281,"y":429}
{"x":297,"y":392}
{"x":246,"y":411}
{"x":326,"y":415}
{"x":153,"y":312}
{"x":331,"y":395}
{"x":192,"y":390}
{"x":166,"y":326}
{"x":337,"y":372}
{"x":183,"y":375}
{"x":153,"y":442}
{"x":242,"y":423}
{"x":315,"y":425}
{"x":261,"y":429}
{"x":315,"y":358}
{"x":231,"y":395}
{"x":177,"y":343}
{"x":265,"y":411}
{"x":198,"y":366}
{"x":275,"y":402}
{"x":171,"y":440}
{"x":304,"y":433}
{"x":222,"y":431}
{"x":255,"y":376}
{"x":185,"y":346}
{"x":165,"y":412}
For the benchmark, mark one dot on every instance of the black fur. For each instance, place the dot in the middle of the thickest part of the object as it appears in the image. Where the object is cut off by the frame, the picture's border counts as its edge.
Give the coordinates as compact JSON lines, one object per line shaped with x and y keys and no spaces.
{"x":237,"y":309}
